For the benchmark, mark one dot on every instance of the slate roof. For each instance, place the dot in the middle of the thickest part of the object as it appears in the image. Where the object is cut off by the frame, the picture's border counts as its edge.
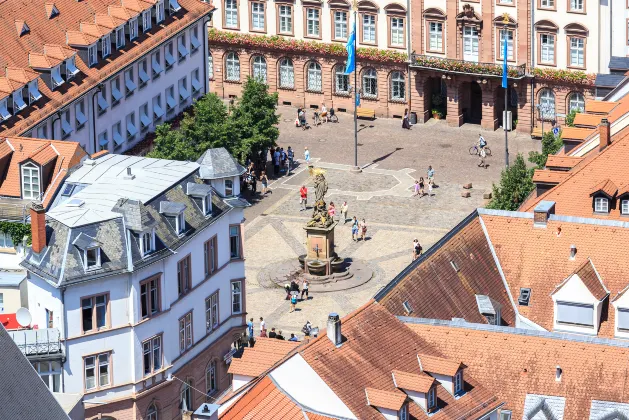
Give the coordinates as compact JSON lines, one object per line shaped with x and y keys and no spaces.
{"x":618,"y":63}
{"x":135,"y":214}
{"x":608,"y":80}
{"x":66,"y":29}
{"x":218,"y":163}
{"x":434,"y":289}
{"x":516,"y":364}
{"x":23,"y":395}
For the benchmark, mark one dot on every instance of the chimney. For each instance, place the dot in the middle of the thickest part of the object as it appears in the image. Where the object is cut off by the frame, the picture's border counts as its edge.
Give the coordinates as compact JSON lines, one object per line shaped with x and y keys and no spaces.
{"x":129,"y":175}
{"x":542,"y":213}
{"x":604,"y":134}
{"x":38,"y":227}
{"x":334,"y":329}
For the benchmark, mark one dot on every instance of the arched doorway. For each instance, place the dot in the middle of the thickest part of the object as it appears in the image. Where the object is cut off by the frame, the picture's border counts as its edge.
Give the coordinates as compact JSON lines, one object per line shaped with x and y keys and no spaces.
{"x":499,"y":104}
{"x":472,"y":102}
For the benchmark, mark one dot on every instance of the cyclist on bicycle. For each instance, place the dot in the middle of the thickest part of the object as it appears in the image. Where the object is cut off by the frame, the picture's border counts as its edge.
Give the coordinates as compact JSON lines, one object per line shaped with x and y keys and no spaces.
{"x":481,"y":142}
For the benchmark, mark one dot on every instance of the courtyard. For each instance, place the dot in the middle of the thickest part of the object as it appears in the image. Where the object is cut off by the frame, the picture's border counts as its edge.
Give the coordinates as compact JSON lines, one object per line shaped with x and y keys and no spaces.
{"x":391,"y":159}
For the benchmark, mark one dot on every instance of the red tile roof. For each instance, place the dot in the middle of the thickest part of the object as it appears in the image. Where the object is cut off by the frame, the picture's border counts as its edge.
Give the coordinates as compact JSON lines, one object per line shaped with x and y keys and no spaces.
{"x":599,"y":107}
{"x":28,"y":49}
{"x":563,"y":162}
{"x":587,"y":120}
{"x":606,"y":187}
{"x":549,"y":177}
{"x":393,"y":400}
{"x":412,"y":381}
{"x":257,"y":360}
{"x":588,"y":275}
{"x":514,"y":365}
{"x":439,"y":365}
{"x":576,"y":133}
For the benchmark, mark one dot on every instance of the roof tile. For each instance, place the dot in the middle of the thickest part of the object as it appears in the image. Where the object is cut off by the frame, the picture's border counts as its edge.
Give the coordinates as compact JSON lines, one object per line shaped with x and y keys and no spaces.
{"x":412,"y":381}
{"x":439,"y":365}
{"x":549,"y":177}
{"x":393,"y":400}
{"x":599,"y":107}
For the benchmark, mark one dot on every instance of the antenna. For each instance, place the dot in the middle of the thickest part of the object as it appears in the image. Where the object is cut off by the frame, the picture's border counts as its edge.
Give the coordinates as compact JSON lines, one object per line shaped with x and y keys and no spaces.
{"x":23,"y":317}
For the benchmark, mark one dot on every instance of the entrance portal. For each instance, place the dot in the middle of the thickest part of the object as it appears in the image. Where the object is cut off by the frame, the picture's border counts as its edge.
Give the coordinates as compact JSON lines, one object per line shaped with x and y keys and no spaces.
{"x":472,"y":102}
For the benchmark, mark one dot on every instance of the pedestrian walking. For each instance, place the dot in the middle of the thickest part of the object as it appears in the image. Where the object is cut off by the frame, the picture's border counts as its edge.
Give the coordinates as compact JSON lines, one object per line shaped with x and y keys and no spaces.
{"x":417,"y":188}
{"x":250,"y":327}
{"x":363,"y":229}
{"x":417,"y":249}
{"x":265,"y":182}
{"x":406,"y":123}
{"x":262,"y":327}
{"x":303,"y":197}
{"x":430,"y":173}
{"x":293,"y":301}
{"x":272,"y":334}
{"x":481,"y":158}
{"x":430,"y":181}
{"x":304,"y":289}
{"x":276,"y":162}
{"x":291,"y":158}
{"x":292,"y":337}
{"x":344,"y":209}
{"x":421,"y":186}
{"x":354,"y":229}
{"x":307,"y":155}
{"x":332,"y":210}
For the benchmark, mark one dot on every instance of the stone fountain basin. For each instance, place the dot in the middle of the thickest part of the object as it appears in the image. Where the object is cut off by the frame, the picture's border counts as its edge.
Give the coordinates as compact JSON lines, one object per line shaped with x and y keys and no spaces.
{"x":337,"y":265}
{"x":316,"y":268}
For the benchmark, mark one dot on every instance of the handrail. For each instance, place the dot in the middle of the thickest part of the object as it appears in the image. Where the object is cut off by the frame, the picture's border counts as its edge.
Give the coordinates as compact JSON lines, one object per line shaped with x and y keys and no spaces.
{"x":452,"y":65}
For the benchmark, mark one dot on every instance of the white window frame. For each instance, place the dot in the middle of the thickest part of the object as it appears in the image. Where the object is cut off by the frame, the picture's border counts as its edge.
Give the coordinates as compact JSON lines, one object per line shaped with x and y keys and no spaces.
{"x":158,"y":109}
{"x":171,"y":102}
{"x":195,"y":81}
{"x":180,"y":223}
{"x":547,"y":100}
{"x":97,"y":261}
{"x":458,"y":382}
{"x":471,"y":43}
{"x":18,"y":100}
{"x":185,"y":332}
{"x":576,"y":5}
{"x":145,"y":116}
{"x":130,"y":126}
{"x":147,"y":24}
{"x":105,"y":46}
{"x":152,"y":347}
{"x":79,"y":114}
{"x":547,"y":48}
{"x":576,"y":100}
{"x":403,"y":415}
{"x":182,"y":86}
{"x":92,"y":55}
{"x":143,"y":73}
{"x":236,"y":296}
{"x":4,"y":109}
{"x":211,"y":378}
{"x":116,"y":135}
{"x":369,"y":28}
{"x":156,"y":64}
{"x":232,"y":64}
{"x":66,"y":126}
{"x":313,"y":20}
{"x":257,"y":16}
{"x":120,"y":38}
{"x":207,"y":205}
{"x":133,"y":28}
{"x":435,"y":42}
{"x":547,"y":4}
{"x":98,"y":361}
{"x":168,"y":56}
{"x":601,"y":205}
{"x":431,"y":398}
{"x":34,"y":94}
{"x":314,"y":77}
{"x":285,"y":12}
{"x":210,"y":66}
{"x":160,"y":12}
{"x":341,"y":80}
{"x":229,"y":190}
{"x":49,"y":371}
{"x":577,"y":51}
{"x":398,"y":86}
{"x":340,"y":24}
{"x":212,"y":315}
{"x":116,"y":93}
{"x":182,"y":50}
{"x":370,"y":83}
{"x":238,"y":253}
{"x":55,"y":75}
{"x":259,"y":68}
{"x":71,"y":69}
{"x":624,"y":207}
{"x":397,"y":31}
{"x":231,"y":13}
{"x":510,"y":43}
{"x":5,"y":242}
{"x":505,"y":415}
{"x":287,"y":74}
{"x":129,"y":82}
{"x":195,"y":43}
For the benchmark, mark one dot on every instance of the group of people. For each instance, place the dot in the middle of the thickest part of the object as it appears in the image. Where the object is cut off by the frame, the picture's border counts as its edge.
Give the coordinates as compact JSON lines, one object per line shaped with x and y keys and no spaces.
{"x":359,"y":229}
{"x":321,"y":116}
{"x":283,"y":162}
{"x":263,"y":331}
{"x":420,"y":184}
{"x":293,"y":292}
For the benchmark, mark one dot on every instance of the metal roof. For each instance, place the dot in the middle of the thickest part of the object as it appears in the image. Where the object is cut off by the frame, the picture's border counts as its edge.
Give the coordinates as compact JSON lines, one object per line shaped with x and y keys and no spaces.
{"x":218,"y":163}
{"x":107,"y":180}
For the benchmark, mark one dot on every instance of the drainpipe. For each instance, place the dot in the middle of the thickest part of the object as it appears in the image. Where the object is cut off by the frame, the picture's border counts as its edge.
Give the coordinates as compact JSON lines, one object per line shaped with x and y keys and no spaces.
{"x":58,"y":115}
{"x":65,"y":336}
{"x":532,"y":63}
{"x":99,"y":88}
{"x":408,"y":53}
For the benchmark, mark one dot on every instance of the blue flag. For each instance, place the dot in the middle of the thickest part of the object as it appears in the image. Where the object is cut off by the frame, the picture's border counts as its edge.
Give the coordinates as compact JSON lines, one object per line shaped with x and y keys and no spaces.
{"x":357,"y":99}
{"x":351,"y":49}
{"x":504,"y":65}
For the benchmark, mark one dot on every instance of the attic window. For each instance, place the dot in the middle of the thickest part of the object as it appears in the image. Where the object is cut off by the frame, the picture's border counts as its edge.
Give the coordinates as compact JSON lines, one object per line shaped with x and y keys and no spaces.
{"x":91,"y":258}
{"x":207,"y":205}
{"x":75,"y":202}
{"x":624,"y":207}
{"x":229,"y":188}
{"x":22,"y":27}
{"x":403,"y":414}
{"x":525,"y":295}
{"x":458,"y":382}
{"x":147,"y":243}
{"x":407,"y":307}
{"x":31,"y":186}
{"x":53,"y":12}
{"x":505,"y":415}
{"x":432,"y":398}
{"x":572,"y":313}
{"x":67,"y":190}
{"x":601,"y":205}
{"x":180,"y":223}
{"x":454,"y":265}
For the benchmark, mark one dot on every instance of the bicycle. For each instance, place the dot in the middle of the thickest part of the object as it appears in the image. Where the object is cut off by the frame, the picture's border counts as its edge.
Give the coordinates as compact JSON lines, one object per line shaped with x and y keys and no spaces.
{"x":475,"y":150}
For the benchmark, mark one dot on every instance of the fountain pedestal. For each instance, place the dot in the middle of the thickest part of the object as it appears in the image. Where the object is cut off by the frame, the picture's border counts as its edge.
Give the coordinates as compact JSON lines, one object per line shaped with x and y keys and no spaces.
{"x":320,"y":246}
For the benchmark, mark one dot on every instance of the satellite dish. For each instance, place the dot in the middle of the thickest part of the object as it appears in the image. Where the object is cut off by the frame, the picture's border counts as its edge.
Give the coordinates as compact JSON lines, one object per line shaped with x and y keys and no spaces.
{"x":23,"y":317}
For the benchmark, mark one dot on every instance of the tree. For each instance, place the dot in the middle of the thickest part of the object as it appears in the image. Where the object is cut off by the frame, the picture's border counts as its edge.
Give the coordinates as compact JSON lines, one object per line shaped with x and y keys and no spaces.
{"x":570,"y":117}
{"x":516,"y":183}
{"x":171,"y":144}
{"x":255,"y":119}
{"x":550,"y":146}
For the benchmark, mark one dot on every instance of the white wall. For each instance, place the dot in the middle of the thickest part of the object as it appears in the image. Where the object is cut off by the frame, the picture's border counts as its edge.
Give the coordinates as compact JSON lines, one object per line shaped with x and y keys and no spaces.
{"x":618,"y":21}
{"x":575,"y":291}
{"x":622,"y":302}
{"x":41,"y":296}
{"x":238,"y":381}
{"x":11,"y":301}
{"x":219,"y":185}
{"x":445,"y":381}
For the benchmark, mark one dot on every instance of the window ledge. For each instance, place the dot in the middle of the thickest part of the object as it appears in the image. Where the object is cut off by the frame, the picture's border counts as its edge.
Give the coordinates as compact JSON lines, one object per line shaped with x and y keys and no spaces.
{"x":319,"y":92}
{"x":343,"y":94}
{"x":234,"y":82}
{"x":286,"y":88}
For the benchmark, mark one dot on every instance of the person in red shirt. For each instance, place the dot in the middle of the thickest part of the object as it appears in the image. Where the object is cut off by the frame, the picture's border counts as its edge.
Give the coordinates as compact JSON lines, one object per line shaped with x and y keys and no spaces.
{"x":303,"y":197}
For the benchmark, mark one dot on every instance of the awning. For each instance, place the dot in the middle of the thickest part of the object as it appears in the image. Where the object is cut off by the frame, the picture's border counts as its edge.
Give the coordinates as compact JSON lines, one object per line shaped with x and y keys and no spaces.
{"x":131,"y":130}
{"x":4,"y":112}
{"x":33,"y":91}
{"x":196,"y":85}
{"x":118,"y":138}
{"x":183,"y":51}
{"x":183,"y":93}
{"x":174,"y":5}
{"x":71,"y":68}
{"x":194,"y":41}
{"x":115,"y":93}
{"x":102,"y":102}
{"x":170,"y":60}
{"x":145,"y":120}
{"x":18,"y":101}
{"x":143,"y":76}
{"x":56,"y":79}
{"x":157,"y":110}
{"x":170,"y":101}
{"x":66,"y":127}
{"x":130,"y":85}
{"x":157,"y":69}
{"x":80,"y":117}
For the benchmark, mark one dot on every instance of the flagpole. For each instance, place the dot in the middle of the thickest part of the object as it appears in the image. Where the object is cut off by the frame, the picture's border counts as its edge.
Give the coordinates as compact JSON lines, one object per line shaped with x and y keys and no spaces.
{"x":356,"y":168}
{"x":505,"y":84}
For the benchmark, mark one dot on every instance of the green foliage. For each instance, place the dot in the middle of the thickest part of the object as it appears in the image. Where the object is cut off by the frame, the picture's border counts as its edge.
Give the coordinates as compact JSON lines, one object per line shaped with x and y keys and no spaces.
{"x":516,"y":183}
{"x":17,"y":231}
{"x":570,"y":117}
{"x":550,"y":146}
{"x":251,"y":126}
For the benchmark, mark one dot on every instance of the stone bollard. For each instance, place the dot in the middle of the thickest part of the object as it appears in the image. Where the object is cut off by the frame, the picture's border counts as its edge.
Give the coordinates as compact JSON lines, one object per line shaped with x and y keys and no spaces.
{"x":466,"y":194}
{"x":487,"y":195}
{"x":467,"y":186}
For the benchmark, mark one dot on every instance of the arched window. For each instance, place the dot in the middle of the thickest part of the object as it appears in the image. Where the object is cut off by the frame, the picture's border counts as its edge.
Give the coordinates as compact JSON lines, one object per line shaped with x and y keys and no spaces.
{"x":233,"y":67}
{"x":314,"y":77}
{"x":398,"y":86}
{"x":547,"y":104}
{"x":152,"y":413}
{"x":185,"y":401}
{"x":210,"y":66}
{"x":370,"y":83}
{"x":211,"y":382}
{"x":287,"y":74}
{"x":341,"y":80}
{"x":259,"y":68}
{"x":576,"y":101}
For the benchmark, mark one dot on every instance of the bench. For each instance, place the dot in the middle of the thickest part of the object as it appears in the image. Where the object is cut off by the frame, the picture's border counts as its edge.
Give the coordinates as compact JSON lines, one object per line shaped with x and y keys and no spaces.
{"x":536,"y":133}
{"x":365,"y":113}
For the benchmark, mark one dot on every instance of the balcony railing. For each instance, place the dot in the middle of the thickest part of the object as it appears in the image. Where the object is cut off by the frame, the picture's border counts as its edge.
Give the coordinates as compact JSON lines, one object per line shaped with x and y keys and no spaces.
{"x":451,"y":65}
{"x":38,"y":342}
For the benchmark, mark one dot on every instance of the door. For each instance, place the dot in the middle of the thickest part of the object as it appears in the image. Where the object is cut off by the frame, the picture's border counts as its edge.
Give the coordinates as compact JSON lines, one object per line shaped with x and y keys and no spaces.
{"x":470,"y":43}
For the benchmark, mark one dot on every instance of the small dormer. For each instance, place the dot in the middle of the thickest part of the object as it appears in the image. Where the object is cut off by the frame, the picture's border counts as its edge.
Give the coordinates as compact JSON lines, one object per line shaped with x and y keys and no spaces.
{"x":51,"y":10}
{"x":27,"y":77}
{"x":490,"y":309}
{"x":603,"y":195}
{"x":202,"y":196}
{"x":623,"y":199}
{"x":174,"y":213}
{"x":22,"y":27}
{"x":139,"y":221}
{"x":621,"y":315}
{"x":421,"y":389}
{"x":90,"y":250}
{"x":578,"y":300}
{"x":449,"y":373}
{"x":391,"y":404}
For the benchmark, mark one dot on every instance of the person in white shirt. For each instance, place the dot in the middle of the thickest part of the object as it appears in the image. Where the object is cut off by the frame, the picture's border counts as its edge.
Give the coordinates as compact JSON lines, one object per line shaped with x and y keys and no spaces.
{"x":262,"y":326}
{"x":324,"y":112}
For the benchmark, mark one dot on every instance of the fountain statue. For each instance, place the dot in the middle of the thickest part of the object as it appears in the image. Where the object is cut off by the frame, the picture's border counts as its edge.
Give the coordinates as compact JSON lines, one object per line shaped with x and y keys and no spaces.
{"x":320,"y":216}
{"x":320,"y":229}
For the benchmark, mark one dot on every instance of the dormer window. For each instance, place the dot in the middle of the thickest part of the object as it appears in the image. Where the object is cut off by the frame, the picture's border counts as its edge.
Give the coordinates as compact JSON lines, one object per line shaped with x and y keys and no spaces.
{"x":55,"y":76}
{"x":71,"y":69}
{"x":33,"y":92}
{"x":147,"y":243}
{"x":146,"y":21}
{"x":168,"y":55}
{"x":458,"y":382}
{"x":624,"y":207}
{"x":92,"y":57}
{"x":173,"y":6}
{"x":105,"y":46}
{"x":432,"y":398}
{"x":120,"y":40}
{"x":143,"y":73}
{"x":18,"y":101}
{"x":403,"y":413}
{"x":4,"y":110}
{"x":91,"y":258}
{"x":207,"y":205}
{"x":229,"y":188}
{"x":79,"y":114}
{"x":159,"y":12}
{"x":66,"y":127}
{"x":31,"y":186}
{"x":578,"y":314}
{"x":601,"y":205}
{"x":133,"y":29}
{"x":180,"y":222}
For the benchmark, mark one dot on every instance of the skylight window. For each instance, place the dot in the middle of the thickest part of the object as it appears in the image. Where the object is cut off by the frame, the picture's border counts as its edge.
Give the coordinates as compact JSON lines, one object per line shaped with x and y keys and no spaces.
{"x":525,"y":296}
{"x":67,"y":190}
{"x":454,"y":265}
{"x":407,"y":307}
{"x":75,"y":202}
